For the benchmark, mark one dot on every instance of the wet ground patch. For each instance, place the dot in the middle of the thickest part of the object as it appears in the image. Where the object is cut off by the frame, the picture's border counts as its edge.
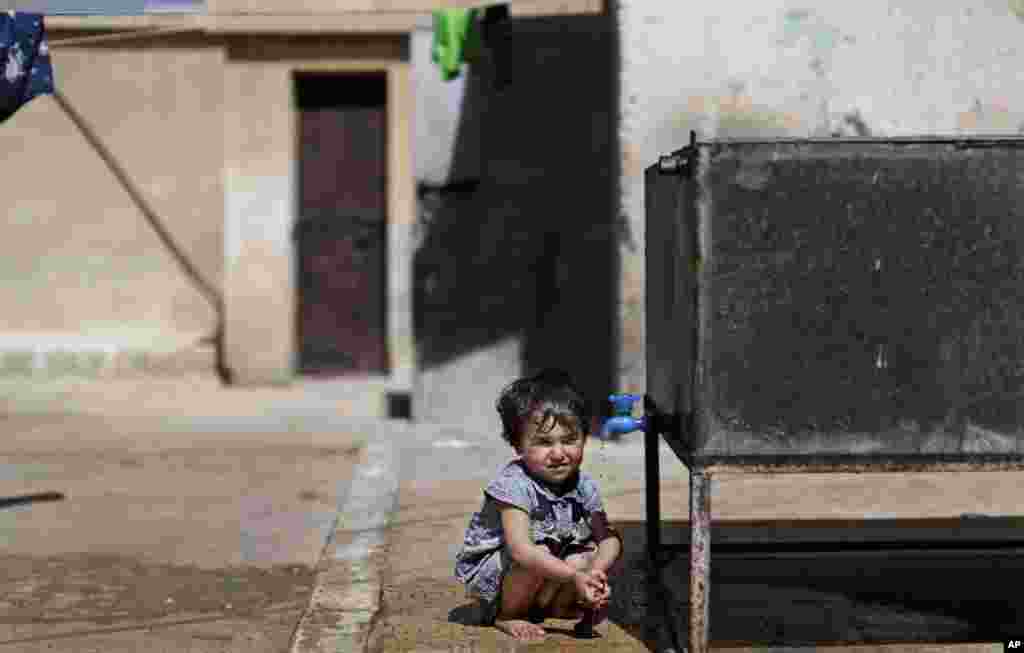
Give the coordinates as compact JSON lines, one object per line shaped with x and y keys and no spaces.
{"x":110,"y":589}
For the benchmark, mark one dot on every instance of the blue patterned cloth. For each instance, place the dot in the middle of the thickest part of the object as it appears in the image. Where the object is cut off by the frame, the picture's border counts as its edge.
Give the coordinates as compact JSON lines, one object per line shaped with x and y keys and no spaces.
{"x":25,"y":68}
{"x":562,"y":522}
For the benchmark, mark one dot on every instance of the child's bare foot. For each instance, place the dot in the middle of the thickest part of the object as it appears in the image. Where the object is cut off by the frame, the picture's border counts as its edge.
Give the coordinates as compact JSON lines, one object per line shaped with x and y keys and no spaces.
{"x":522,"y":630}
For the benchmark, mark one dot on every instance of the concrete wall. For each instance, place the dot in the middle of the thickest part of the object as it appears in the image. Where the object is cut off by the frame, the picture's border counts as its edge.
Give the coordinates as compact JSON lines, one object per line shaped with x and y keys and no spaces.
{"x":259,"y":211}
{"x":785,"y":68}
{"x":439,"y":113}
{"x":77,"y":257}
{"x":385,"y":7}
{"x":516,"y":270}
{"x":195,"y":133}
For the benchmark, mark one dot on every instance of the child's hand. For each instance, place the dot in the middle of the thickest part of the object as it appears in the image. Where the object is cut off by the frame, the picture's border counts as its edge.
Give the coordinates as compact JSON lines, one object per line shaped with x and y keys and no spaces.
{"x":589,"y":588}
{"x":586,"y":587}
{"x":605,"y":590}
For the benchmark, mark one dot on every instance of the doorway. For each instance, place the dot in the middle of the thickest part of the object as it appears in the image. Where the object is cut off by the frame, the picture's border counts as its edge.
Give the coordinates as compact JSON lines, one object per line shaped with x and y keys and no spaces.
{"x":341,"y":226}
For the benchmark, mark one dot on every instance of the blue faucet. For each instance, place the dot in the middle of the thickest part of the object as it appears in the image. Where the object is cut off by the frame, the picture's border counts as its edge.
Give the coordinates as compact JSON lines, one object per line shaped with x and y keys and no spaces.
{"x":622,"y":421}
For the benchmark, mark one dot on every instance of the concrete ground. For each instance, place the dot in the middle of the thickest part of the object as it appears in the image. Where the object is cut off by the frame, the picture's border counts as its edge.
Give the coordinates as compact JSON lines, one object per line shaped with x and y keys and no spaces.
{"x":196,"y":544}
{"x":814,"y":600}
{"x":201,"y":519}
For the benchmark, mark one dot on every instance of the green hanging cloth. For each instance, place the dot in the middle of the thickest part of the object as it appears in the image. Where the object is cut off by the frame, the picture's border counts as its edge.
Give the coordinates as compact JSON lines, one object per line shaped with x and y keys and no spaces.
{"x":456,"y":40}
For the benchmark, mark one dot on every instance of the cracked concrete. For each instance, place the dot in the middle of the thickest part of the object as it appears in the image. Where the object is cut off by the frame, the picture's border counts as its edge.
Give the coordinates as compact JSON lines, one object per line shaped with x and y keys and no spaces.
{"x":347,"y":594}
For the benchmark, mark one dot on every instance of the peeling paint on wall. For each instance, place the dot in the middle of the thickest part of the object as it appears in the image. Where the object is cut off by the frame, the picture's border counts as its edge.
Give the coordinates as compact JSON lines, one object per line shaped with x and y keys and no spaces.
{"x":632,"y":163}
{"x":800,"y":24}
{"x":808,"y":29}
{"x":1017,"y":7}
{"x":801,"y":69}
{"x":851,"y":124}
{"x":991,"y":117}
{"x":735,"y":115}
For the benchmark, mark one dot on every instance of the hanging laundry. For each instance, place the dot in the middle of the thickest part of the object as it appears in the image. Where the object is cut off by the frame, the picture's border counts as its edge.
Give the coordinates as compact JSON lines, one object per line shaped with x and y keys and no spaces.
{"x":25,"y":68}
{"x":456,"y":39}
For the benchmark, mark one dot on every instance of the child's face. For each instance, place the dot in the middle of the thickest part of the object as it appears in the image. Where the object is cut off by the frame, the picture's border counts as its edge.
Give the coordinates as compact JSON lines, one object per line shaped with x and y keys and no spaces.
{"x":552,"y":455}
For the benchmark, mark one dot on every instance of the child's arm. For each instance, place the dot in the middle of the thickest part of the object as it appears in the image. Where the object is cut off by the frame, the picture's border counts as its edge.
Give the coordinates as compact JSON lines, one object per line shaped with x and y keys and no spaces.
{"x":609,"y":542}
{"x":608,"y":552}
{"x":516,"y":525}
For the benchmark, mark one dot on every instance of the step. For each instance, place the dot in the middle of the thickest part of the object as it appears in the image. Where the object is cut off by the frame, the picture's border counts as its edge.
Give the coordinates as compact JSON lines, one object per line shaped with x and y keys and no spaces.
{"x":129,"y":354}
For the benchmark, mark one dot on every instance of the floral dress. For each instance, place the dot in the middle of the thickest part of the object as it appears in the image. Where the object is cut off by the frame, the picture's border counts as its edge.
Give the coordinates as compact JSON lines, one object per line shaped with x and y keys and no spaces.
{"x":560,"y":521}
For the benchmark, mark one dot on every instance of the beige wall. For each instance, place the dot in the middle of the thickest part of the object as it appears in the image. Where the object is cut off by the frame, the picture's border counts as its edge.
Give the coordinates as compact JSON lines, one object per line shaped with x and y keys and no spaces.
{"x":259,"y":201}
{"x":77,"y":254}
{"x":517,"y":7}
{"x":203,"y":126}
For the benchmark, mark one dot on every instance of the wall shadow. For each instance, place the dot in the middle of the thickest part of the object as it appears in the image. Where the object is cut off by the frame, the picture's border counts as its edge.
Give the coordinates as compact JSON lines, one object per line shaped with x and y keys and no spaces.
{"x":527,"y":247}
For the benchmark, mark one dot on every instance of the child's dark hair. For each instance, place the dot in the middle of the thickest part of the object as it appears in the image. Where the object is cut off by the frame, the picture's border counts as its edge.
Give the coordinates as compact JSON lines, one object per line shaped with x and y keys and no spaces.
{"x":552,"y":393}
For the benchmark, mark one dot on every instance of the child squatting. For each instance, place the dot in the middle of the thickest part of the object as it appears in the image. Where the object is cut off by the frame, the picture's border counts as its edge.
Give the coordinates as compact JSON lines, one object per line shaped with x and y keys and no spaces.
{"x":541,"y":546}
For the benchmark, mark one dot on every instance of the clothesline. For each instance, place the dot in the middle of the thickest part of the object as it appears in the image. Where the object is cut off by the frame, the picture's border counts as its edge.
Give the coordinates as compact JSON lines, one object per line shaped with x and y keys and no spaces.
{"x":123,"y":36}
{"x":456,"y":36}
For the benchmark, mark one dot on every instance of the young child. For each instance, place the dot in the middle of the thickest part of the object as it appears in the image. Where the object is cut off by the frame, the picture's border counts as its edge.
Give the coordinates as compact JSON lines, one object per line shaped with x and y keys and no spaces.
{"x":541,"y":546}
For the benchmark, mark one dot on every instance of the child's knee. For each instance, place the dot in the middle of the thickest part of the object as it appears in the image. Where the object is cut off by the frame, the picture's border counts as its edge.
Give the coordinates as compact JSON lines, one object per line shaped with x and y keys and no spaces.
{"x":526,"y":581}
{"x":523,"y":576}
{"x":519,"y":587}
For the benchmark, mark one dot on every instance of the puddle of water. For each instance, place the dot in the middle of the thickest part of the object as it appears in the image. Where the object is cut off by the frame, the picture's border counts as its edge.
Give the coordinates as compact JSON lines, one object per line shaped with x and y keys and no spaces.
{"x":105,"y":589}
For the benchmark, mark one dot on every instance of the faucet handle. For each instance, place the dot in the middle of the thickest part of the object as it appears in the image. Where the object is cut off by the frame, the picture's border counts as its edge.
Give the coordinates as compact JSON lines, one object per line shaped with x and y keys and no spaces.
{"x":623,"y":404}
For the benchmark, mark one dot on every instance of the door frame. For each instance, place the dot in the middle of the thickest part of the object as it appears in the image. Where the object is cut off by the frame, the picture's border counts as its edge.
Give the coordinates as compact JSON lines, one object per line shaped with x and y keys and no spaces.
{"x":261,"y":204}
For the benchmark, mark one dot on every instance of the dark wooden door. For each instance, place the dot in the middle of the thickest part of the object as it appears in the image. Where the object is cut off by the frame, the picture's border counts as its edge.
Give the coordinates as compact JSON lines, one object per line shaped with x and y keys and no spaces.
{"x":342,"y":228}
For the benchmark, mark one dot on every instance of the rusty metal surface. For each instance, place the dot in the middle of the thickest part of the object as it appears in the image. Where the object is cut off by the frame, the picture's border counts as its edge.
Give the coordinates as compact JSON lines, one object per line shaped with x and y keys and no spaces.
{"x":856,"y":298}
{"x":670,"y":294}
{"x":842,"y":463}
{"x":700,"y":560}
{"x":829,"y":141}
{"x":850,"y":465}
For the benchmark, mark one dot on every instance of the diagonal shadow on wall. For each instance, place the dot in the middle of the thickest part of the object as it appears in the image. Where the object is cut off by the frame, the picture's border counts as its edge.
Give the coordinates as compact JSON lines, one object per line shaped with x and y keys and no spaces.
{"x":526,"y":248}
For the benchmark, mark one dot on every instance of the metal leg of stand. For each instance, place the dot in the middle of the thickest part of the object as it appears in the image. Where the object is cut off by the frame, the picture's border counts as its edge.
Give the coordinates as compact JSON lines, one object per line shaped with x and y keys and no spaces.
{"x":700,"y":560}
{"x":652,"y":486}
